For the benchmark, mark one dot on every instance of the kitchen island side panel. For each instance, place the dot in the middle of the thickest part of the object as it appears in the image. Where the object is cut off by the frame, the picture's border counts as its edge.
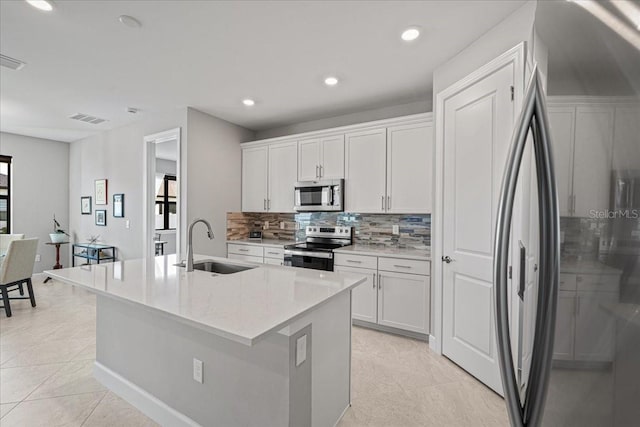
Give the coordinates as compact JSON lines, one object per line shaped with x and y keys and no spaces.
{"x":243,"y":385}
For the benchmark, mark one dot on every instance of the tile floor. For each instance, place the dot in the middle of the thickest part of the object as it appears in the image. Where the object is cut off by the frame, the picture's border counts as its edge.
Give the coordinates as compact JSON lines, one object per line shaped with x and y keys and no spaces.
{"x":46,"y":357}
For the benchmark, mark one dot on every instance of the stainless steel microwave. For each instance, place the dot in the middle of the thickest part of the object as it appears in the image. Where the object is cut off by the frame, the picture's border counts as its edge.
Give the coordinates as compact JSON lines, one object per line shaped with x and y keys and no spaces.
{"x":320,"y":196}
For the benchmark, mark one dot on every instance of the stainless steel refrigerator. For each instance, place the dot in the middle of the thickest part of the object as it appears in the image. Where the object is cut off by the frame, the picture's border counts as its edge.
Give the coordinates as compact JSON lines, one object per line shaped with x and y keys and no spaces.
{"x":576,"y":361}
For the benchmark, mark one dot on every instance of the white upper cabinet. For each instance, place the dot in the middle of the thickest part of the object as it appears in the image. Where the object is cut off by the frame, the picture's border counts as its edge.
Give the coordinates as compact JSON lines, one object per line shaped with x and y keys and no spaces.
{"x":365,"y":169}
{"x":321,"y":158}
{"x":626,"y":138}
{"x":562,"y":123}
{"x":254,"y":179}
{"x":283,"y":160}
{"x":409,"y":168}
{"x":309,"y":160}
{"x":592,"y":159}
{"x":332,"y":166}
{"x":268,"y":177}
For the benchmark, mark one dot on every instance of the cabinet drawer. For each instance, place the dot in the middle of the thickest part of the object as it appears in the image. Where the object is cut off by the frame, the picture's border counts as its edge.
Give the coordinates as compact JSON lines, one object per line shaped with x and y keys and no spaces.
{"x":256,"y":259}
{"x":598,"y":282}
{"x":274,"y":253}
{"x":274,"y":261}
{"x":399,"y":265}
{"x":567,"y":282}
{"x":361,"y":261}
{"x":234,"y":248}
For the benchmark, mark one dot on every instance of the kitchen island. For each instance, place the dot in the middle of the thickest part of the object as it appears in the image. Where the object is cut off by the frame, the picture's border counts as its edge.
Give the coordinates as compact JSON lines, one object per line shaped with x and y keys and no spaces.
{"x":274,"y":342}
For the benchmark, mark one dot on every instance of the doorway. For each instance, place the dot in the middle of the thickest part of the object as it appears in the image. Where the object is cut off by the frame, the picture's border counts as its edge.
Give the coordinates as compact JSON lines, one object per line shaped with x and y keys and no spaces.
{"x":162,"y":194}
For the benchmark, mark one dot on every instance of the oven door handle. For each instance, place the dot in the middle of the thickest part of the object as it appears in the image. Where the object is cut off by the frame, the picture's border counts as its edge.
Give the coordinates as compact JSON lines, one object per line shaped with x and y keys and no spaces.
{"x":325,"y":255}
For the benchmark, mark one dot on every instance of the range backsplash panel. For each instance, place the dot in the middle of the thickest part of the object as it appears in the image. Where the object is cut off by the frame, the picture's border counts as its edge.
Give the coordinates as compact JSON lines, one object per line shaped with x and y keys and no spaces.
{"x":375,"y":229}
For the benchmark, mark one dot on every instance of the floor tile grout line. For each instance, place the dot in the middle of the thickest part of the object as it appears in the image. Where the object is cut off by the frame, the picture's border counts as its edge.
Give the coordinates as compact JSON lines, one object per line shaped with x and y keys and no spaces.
{"x":94,"y":408}
{"x":65,"y":395}
{"x":43,"y":381}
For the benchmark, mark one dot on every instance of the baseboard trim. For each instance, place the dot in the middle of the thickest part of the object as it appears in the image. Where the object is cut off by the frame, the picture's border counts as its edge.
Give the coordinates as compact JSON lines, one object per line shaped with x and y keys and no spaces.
{"x":148,"y":404}
{"x":390,"y":330}
{"x":342,"y":415}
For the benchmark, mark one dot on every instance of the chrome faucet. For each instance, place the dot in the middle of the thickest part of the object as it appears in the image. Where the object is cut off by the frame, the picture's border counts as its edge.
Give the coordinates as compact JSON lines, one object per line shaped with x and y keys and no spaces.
{"x":190,"y":240}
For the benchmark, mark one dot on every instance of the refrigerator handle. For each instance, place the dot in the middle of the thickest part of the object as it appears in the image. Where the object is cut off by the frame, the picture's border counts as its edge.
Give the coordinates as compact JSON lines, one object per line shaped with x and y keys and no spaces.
{"x":532,"y":117}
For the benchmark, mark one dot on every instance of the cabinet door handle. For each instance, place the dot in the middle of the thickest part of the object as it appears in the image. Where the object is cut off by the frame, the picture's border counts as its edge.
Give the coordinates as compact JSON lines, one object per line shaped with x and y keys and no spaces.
{"x":382,"y":203}
{"x":401,"y":266}
{"x":379,"y":282}
{"x":268,"y":204}
{"x":388,"y":202}
{"x":273,"y":253}
{"x":243,"y":250}
{"x":317,"y":174}
{"x":354,"y":261}
{"x":264,"y":204}
{"x":320,"y":171}
{"x":374,"y":280}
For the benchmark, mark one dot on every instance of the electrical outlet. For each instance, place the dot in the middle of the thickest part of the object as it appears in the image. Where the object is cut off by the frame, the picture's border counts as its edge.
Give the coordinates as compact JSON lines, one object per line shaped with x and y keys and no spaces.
{"x":266,"y":225}
{"x":127,"y":224}
{"x":301,"y":350}
{"x":282,"y":225}
{"x":198,"y":367}
{"x":396,"y":229}
{"x":37,"y":257}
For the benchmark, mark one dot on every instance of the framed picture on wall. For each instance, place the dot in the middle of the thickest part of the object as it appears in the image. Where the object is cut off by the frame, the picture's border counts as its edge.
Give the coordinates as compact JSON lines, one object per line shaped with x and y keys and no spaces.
{"x":101,"y":217}
{"x":118,"y":205}
{"x":85,"y":205}
{"x":101,"y":191}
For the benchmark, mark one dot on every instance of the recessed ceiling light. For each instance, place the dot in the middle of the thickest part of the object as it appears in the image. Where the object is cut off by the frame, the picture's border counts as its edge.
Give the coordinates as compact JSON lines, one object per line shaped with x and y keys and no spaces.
{"x":45,"y":5}
{"x":331,"y":81}
{"x":249,"y":102}
{"x":129,"y":21}
{"x":410,"y":34}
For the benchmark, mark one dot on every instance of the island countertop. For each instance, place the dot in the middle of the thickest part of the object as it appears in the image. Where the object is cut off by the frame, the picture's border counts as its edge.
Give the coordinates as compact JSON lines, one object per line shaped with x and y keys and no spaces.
{"x":243,"y":306}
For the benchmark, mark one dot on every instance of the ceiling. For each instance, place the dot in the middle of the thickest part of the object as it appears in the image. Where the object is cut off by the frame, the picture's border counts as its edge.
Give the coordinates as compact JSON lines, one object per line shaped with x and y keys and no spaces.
{"x":211,"y":55}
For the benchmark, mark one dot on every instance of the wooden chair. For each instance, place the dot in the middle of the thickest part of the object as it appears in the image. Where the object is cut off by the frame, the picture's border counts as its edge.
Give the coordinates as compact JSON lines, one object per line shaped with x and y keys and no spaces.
{"x":16,"y":270}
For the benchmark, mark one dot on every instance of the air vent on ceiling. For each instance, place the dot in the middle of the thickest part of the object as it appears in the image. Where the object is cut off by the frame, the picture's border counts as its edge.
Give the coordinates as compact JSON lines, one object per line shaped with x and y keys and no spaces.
{"x":87,"y":118}
{"x":14,"y":64}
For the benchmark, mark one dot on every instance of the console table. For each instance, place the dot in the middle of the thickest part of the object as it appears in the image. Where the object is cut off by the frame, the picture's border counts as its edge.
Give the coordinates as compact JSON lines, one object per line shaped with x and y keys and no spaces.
{"x":92,"y":251}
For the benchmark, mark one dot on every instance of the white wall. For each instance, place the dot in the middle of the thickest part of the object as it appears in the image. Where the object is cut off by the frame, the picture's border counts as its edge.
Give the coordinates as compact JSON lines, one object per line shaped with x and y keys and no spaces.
{"x":349,"y":119}
{"x":40,"y":189}
{"x":116,"y":155}
{"x":213,"y":174}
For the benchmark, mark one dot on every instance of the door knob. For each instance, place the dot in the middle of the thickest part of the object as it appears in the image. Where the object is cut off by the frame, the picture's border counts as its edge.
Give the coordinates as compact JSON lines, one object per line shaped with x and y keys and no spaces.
{"x":447,"y":259}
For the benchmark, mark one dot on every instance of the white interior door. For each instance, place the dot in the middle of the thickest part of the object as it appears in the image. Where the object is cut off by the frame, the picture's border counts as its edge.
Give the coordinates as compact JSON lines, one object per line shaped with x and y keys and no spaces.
{"x":478,"y":122}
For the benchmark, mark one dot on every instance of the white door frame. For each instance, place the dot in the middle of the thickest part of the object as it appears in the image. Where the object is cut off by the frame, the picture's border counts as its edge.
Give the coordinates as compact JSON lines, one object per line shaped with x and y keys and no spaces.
{"x":517,"y":56}
{"x":149,"y":180}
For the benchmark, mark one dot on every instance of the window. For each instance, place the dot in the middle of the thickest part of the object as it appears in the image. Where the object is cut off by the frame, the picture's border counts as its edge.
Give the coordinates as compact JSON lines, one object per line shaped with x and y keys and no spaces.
{"x":5,"y":194}
{"x":166,"y":198}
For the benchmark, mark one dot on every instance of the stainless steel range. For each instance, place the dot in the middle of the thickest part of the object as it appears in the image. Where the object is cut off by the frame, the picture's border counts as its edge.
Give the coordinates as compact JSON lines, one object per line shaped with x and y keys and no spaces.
{"x":317,"y":251}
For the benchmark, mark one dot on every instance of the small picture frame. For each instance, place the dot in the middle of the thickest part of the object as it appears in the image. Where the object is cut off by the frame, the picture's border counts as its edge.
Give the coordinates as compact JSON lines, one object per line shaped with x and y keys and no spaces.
{"x":118,"y":205}
{"x":101,"y":192}
{"x":85,"y":205}
{"x":101,"y":217}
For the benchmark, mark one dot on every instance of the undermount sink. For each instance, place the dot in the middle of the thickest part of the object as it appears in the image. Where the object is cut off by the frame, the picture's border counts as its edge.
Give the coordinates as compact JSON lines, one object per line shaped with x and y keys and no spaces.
{"x":218,"y":267}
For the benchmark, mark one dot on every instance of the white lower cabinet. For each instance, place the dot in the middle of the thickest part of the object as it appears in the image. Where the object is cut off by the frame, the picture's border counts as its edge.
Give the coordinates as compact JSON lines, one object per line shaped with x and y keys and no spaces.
{"x":403,"y":300}
{"x":585,"y":331}
{"x":256,"y":253}
{"x":390,"y":298}
{"x":364,"y":297}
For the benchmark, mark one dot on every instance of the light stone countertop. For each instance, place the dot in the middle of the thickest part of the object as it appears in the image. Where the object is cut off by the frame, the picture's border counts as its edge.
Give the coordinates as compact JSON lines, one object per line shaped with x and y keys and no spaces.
{"x":586,"y":267}
{"x":380,"y":250}
{"x":243,"y":306}
{"x":264,"y":242}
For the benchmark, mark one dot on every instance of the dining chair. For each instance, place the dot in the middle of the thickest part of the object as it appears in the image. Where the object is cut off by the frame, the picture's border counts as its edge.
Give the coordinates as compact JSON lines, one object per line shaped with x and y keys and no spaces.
{"x":5,"y":239}
{"x":16,"y":270}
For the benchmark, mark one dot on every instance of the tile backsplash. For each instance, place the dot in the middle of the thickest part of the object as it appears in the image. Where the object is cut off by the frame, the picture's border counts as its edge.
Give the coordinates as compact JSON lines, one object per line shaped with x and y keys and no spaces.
{"x":415,"y":229}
